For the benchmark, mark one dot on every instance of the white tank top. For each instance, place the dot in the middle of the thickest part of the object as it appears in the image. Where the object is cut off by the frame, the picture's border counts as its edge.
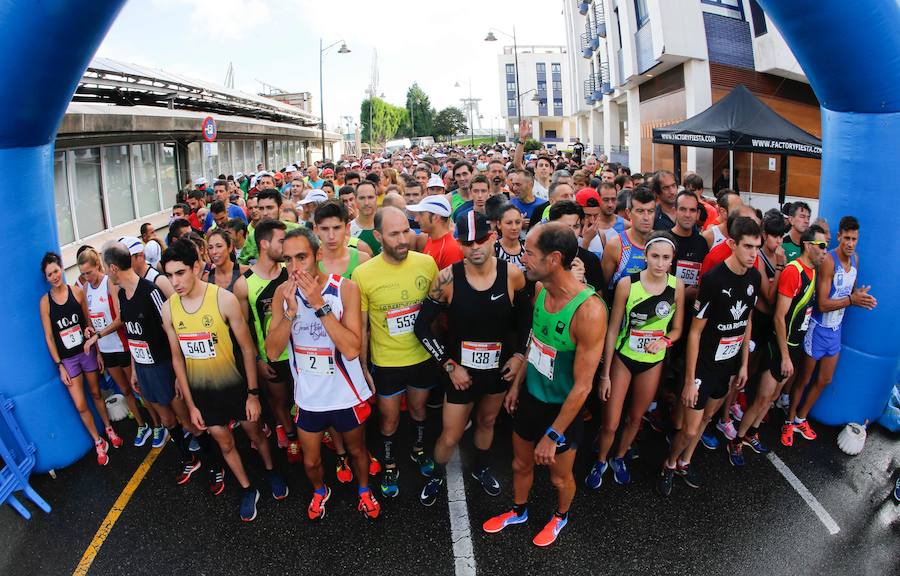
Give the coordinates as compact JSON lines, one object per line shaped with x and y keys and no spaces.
{"x":841,"y":287}
{"x":102,"y":315}
{"x":324,"y":379}
{"x":718,"y":237}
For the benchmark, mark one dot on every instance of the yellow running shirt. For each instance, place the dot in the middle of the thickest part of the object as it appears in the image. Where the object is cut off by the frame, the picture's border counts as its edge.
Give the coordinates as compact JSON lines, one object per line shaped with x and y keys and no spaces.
{"x":392,"y":295}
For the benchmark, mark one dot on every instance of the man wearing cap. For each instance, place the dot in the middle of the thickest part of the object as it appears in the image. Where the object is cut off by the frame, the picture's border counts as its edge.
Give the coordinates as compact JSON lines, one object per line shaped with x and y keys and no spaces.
{"x":435,"y":185}
{"x":328,"y":175}
{"x":436,"y":240}
{"x":310,"y":203}
{"x":481,"y":296}
{"x":144,"y":270}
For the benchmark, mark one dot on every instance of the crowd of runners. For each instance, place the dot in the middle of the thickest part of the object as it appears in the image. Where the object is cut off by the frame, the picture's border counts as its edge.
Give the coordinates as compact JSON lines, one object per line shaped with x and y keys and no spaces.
{"x":558,"y":287}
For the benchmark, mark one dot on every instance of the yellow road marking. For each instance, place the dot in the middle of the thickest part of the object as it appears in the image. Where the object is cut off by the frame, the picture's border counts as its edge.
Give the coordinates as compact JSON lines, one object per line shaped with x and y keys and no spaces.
{"x":118,"y":507}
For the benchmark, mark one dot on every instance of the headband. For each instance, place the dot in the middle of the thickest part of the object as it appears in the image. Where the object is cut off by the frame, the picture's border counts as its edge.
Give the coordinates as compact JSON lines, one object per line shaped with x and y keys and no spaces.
{"x":660,"y":239}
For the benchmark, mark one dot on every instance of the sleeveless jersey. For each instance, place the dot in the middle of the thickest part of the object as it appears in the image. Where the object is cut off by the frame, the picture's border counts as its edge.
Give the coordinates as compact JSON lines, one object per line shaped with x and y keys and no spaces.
{"x":205,"y":341}
{"x":630,"y":261}
{"x":235,"y":274}
{"x":324,"y":379}
{"x":142,"y":315}
{"x":646,"y":319}
{"x":68,"y":325}
{"x":841,"y":287}
{"x":551,"y":352}
{"x":352,"y":263}
{"x":478,"y":320}
{"x":103,"y":314}
{"x":151,"y":274}
{"x":799,"y":312}
{"x":260,"y":293}
{"x":514,"y":259}
{"x":718,"y":237}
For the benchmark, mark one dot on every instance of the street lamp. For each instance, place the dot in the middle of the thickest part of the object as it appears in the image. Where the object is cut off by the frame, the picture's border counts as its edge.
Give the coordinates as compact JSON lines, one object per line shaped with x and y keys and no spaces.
{"x":322,"y":49}
{"x":491,"y":38}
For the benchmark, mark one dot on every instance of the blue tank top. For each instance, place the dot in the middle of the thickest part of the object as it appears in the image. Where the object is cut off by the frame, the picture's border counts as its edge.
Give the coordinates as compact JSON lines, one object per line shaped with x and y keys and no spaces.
{"x":631,"y":261}
{"x":841,"y":287}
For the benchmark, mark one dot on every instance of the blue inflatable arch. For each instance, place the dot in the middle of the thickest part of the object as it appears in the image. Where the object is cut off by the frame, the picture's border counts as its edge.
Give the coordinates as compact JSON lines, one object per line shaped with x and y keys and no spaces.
{"x":855,"y":80}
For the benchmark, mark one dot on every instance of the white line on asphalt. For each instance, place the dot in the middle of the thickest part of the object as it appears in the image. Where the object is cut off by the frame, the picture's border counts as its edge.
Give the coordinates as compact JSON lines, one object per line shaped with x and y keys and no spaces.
{"x":804,"y":493}
{"x":460,"y":531}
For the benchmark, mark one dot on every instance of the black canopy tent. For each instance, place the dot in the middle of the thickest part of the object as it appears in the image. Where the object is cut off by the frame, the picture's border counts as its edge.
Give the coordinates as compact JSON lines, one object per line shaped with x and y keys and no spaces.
{"x":741,"y":122}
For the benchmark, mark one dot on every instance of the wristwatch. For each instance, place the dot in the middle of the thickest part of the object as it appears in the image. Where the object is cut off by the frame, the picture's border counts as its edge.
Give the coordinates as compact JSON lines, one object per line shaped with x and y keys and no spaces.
{"x":323,"y":311}
{"x":555,"y":436}
{"x":449,"y":366}
{"x":253,"y":391}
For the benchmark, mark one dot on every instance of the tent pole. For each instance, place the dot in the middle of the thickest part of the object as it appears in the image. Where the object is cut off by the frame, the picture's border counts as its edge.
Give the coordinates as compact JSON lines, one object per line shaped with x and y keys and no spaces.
{"x":731,"y":169}
{"x":750,"y":197}
{"x":782,"y":180}
{"x":676,"y":160}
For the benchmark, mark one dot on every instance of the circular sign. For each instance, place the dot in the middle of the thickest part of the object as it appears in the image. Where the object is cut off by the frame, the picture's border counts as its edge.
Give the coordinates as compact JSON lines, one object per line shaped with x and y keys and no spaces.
{"x":209,"y":129}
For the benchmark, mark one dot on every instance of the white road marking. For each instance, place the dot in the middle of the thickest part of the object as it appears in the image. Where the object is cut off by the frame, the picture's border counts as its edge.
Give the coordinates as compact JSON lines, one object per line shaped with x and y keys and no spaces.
{"x":804,"y":493}
{"x":460,"y":531}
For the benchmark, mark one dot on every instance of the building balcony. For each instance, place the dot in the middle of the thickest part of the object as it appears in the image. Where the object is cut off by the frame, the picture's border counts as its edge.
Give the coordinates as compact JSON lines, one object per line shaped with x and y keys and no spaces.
{"x":583,"y":7}
{"x":587,"y":48}
{"x":589,"y":90}
{"x":599,"y":20}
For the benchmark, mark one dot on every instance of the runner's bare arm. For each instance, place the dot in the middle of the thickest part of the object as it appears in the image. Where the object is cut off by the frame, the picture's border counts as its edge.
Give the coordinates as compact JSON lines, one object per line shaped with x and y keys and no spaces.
{"x":439,"y":295}
{"x":346,"y":333}
{"x":85,"y":314}
{"x":48,"y":328}
{"x":231,"y":311}
{"x":824,"y":277}
{"x":165,"y":285}
{"x":678,"y":319}
{"x":280,"y":326}
{"x":241,"y":292}
{"x":610,"y":261}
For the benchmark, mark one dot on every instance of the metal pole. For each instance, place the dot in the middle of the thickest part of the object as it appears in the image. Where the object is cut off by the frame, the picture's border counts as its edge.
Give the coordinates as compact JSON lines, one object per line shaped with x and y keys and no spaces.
{"x":750,"y":197}
{"x":322,"y":95}
{"x":782,"y":180}
{"x":731,"y":169}
{"x":471,"y":124}
{"x":518,"y":86}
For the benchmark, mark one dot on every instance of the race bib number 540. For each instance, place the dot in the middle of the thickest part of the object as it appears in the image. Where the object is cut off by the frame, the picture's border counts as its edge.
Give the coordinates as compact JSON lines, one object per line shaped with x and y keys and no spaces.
{"x":197,"y":345}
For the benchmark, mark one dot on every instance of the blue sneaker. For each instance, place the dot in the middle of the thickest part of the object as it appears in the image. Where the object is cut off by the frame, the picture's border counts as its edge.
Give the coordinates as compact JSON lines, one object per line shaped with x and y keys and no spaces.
{"x":754,"y":443}
{"x":160,"y":436}
{"x":709,"y":440}
{"x":248,"y":504}
{"x":488,"y":483}
{"x":620,"y":471}
{"x":143,"y":434}
{"x":736,"y":454}
{"x":595,"y":477}
{"x":431,"y":490}
{"x":633,"y":453}
{"x":389,"y":486}
{"x":426,"y":464}
{"x":279,"y":488}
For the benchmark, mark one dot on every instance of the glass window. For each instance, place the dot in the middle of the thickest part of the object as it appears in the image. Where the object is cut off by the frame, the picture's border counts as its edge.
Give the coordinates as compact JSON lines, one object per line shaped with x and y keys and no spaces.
{"x":237,"y":157}
{"x":640,"y":12}
{"x":145,"y":182}
{"x":270,"y":154}
{"x":759,"y":19}
{"x":195,"y":165}
{"x":542,"y":85}
{"x":511,"y":103}
{"x":258,"y":157}
{"x":225,"y":158}
{"x":211,"y":161}
{"x":117,"y":182}
{"x":541,"y":68}
{"x":64,"y":226}
{"x":169,"y":174}
{"x":510,"y":86}
{"x":88,"y":201}
{"x":557,"y":85}
{"x":554,"y":68}
{"x":250,"y":157}
{"x":510,"y":68}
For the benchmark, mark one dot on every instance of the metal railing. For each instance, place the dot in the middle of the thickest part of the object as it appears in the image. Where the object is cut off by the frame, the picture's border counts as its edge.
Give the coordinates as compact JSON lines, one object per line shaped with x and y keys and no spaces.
{"x":599,"y":20}
{"x":587,"y":49}
{"x":589,"y":88}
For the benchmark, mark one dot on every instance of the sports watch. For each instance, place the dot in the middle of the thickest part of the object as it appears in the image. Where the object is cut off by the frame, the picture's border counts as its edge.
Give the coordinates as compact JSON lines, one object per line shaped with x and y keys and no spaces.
{"x":323,"y":311}
{"x":560,"y":439}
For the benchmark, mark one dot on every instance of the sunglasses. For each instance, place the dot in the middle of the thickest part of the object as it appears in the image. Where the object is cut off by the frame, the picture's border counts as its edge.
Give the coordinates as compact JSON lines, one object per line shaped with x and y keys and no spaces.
{"x":822,"y":245}
{"x":469,"y":243}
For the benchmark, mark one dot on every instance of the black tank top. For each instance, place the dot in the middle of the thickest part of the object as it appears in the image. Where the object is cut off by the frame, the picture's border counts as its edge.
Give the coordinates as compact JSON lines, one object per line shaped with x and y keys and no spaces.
{"x":235,"y":274}
{"x":68,"y":325}
{"x":142,"y":315}
{"x":479,"y":321}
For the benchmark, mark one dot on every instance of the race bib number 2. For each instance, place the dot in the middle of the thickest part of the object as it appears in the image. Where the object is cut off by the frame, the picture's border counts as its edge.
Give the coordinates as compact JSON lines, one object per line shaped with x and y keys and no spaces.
{"x":480,"y":355}
{"x":318,"y":361}
{"x":197,"y":345}
{"x":402,"y":320}
{"x":542,"y":357}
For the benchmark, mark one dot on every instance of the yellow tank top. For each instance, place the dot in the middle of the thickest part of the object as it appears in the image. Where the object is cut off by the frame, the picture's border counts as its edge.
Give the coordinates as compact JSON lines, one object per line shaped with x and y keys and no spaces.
{"x":205,"y":341}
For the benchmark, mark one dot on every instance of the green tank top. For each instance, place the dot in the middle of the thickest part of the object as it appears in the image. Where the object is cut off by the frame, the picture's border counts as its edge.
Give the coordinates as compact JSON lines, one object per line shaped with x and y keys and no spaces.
{"x":260,"y":293}
{"x":352,"y":263}
{"x":368,"y":236}
{"x":551,"y":353}
{"x":646,"y":319}
{"x":456,"y":201}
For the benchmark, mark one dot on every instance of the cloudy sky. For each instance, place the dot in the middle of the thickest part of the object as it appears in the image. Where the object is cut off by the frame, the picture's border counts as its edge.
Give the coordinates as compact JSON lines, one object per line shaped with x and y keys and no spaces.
{"x":433,"y":43}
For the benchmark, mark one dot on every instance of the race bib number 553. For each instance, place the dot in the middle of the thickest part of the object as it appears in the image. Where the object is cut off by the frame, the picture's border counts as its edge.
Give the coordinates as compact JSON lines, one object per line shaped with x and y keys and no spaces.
{"x":402,"y":320}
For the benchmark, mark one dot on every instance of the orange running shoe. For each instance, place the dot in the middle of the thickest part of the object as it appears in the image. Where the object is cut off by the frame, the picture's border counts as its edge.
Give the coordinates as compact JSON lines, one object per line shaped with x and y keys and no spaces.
{"x":368,"y":505}
{"x":114,"y":438}
{"x":102,"y":447}
{"x":787,"y":434}
{"x":498,"y":523}
{"x":551,"y":531}
{"x":805,"y":430}
{"x":343,"y":472}
{"x":374,"y":466}
{"x":316,"y":508}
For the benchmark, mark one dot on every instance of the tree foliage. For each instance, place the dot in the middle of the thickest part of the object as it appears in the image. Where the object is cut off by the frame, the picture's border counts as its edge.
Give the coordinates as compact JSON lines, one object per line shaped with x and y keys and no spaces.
{"x":386,"y":120}
{"x":449,"y":121}
{"x":419,"y":112}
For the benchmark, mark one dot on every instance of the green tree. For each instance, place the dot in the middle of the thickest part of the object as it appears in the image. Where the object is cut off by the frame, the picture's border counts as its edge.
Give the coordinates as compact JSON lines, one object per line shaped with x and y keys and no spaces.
{"x":380,"y":120}
{"x":420,"y":112}
{"x":449,"y":122}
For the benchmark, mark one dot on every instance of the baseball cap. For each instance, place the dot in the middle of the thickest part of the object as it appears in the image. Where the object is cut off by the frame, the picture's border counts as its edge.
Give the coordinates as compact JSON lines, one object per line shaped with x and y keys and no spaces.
{"x":366,"y":163}
{"x":133,"y":243}
{"x":435,"y":204}
{"x":328,"y":172}
{"x":587,"y":198}
{"x":291,"y":168}
{"x":316,"y":196}
{"x":200,"y":181}
{"x":278,"y":176}
{"x":238,"y":175}
{"x":472,"y":227}
{"x":435,"y":182}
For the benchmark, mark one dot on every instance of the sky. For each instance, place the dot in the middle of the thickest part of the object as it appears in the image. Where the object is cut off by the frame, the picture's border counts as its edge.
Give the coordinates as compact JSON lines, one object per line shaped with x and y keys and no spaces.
{"x":435,"y":44}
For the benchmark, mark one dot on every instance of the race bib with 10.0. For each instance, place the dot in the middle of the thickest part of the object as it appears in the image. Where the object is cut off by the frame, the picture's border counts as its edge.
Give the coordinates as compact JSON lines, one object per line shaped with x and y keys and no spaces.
{"x":480,"y":355}
{"x":318,"y":361}
{"x":402,"y":320}
{"x":197,"y":345}
{"x":542,"y":357}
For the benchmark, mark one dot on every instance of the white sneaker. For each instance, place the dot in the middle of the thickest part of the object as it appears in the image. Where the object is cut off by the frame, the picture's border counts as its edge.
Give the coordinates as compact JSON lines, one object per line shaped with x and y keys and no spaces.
{"x":783,"y":402}
{"x":727,"y":429}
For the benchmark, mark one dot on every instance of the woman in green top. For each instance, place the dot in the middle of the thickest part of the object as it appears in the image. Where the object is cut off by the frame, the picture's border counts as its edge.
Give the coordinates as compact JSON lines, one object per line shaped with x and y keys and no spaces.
{"x":648,"y":310}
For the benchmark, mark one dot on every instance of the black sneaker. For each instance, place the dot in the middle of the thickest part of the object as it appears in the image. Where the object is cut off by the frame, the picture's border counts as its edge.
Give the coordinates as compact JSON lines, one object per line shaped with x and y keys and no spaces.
{"x":690,"y":477}
{"x":487,"y":481}
{"x":665,"y":481}
{"x":431,"y":490}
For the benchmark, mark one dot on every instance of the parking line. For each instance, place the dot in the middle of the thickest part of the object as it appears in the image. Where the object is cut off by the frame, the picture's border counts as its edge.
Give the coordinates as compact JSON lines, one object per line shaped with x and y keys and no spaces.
{"x":113,"y":515}
{"x":460,"y":531}
{"x":804,"y":493}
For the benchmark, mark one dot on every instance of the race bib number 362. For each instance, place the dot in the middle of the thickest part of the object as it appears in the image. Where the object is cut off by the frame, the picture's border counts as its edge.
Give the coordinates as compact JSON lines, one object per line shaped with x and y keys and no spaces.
{"x":197,"y":345}
{"x":402,"y":320}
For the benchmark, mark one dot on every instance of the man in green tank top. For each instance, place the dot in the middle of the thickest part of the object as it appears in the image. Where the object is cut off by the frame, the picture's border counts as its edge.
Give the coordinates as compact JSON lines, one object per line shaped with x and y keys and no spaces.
{"x":332,"y":226}
{"x":567,"y":337}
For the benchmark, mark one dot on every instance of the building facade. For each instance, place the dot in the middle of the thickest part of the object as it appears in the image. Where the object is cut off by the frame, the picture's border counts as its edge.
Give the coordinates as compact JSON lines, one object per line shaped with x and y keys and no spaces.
{"x":543,"y":90}
{"x":642,"y":64}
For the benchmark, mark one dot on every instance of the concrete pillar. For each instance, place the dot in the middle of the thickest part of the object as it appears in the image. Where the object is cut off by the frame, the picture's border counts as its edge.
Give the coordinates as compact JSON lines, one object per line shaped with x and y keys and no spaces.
{"x":698,"y":97}
{"x":565,"y":133}
{"x":634,"y":130}
{"x":596,"y":128}
{"x":536,"y":128}
{"x":610,"y":126}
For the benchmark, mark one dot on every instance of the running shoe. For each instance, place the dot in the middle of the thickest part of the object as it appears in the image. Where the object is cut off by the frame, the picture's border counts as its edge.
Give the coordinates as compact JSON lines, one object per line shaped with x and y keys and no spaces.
{"x":655,"y":420}
{"x":805,"y":430}
{"x":727,"y":429}
{"x":389,"y":486}
{"x":709,"y":440}
{"x":897,"y":489}
{"x":194,"y":445}
{"x":488,"y":483}
{"x":216,"y":481}
{"x":665,"y":481}
{"x":783,"y":402}
{"x":276,"y":482}
{"x":736,"y":412}
{"x":102,"y":447}
{"x":281,"y":436}
{"x":431,"y":490}
{"x":690,"y":477}
{"x":633,"y":452}
{"x":426,"y":464}
{"x":755,"y":444}
{"x":233,"y":424}
{"x":316,"y":510}
{"x":374,"y":466}
{"x":368,"y":505}
{"x":188,"y":468}
{"x":787,"y":434}
{"x":294,"y":455}
{"x":343,"y":472}
{"x":498,"y":523}
{"x":248,"y":504}
{"x":594,"y":478}
{"x":328,"y":441}
{"x":551,"y":531}
{"x":160,"y":436}
{"x":620,"y":471}
{"x":143,"y":434}
{"x":114,"y":438}
{"x":736,"y":454}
